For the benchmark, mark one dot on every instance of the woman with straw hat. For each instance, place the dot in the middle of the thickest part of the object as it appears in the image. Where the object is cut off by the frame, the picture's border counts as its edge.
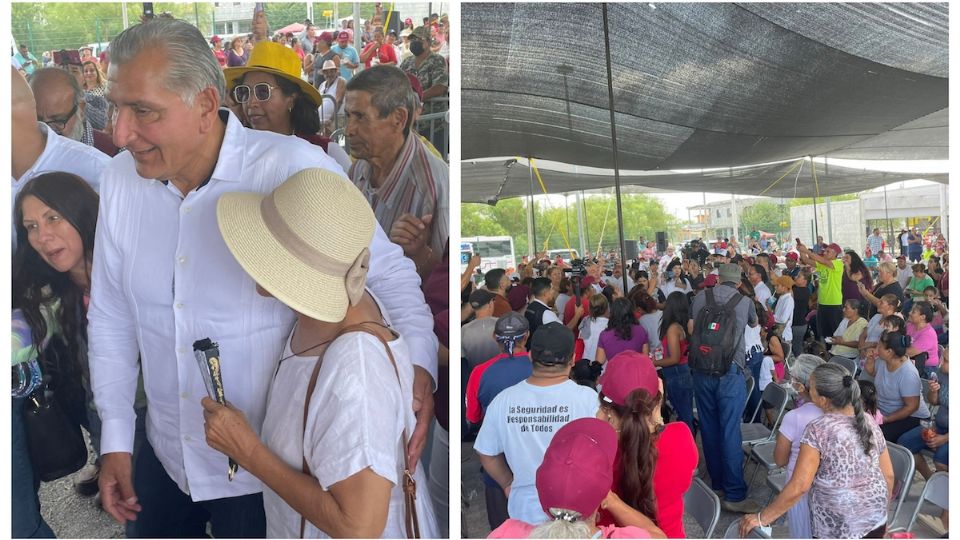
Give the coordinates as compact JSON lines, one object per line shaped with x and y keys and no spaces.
{"x":332,"y":454}
{"x":331,"y":84}
{"x":275,"y":98}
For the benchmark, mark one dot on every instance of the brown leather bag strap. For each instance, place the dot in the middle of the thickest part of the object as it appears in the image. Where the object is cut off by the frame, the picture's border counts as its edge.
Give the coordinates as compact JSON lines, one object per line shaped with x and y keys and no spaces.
{"x":411,"y":521}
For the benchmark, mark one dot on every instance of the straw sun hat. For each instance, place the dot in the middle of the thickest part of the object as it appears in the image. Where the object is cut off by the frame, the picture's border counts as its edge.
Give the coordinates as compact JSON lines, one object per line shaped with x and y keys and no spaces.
{"x":273,"y":58}
{"x":307,"y":242}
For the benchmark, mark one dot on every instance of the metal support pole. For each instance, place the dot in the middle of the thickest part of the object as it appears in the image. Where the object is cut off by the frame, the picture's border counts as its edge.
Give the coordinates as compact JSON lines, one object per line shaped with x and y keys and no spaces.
{"x":816,"y":220}
{"x":566,"y":212}
{"x":944,"y":215}
{"x":706,"y":215}
{"x":580,"y":223}
{"x":886,"y":213}
{"x":736,"y":218}
{"x":310,"y":12}
{"x":531,"y":218}
{"x":126,"y":18}
{"x":357,"y":30}
{"x":829,"y":222}
{"x":613,"y":136}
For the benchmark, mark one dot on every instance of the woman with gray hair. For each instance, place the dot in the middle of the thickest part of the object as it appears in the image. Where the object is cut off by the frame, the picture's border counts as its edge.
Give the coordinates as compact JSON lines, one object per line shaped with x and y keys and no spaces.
{"x":843,"y":462}
{"x":791,"y":431}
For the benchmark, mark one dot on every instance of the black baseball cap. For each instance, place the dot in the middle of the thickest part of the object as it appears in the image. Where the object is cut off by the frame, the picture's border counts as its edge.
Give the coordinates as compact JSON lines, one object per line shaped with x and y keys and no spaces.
{"x":480,"y":298}
{"x":551,"y":344}
{"x":511,"y":325}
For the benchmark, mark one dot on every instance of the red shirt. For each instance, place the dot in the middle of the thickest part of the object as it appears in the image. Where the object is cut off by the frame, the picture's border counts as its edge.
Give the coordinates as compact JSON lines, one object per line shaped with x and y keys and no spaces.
{"x":385,"y":53}
{"x":474,"y":414}
{"x":676,"y":459}
{"x":684,"y":347}
{"x":571,"y":306}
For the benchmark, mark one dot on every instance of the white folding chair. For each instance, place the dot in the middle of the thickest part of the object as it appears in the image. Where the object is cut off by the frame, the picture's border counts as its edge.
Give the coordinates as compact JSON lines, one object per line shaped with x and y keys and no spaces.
{"x":703,"y":505}
{"x":936,"y":491}
{"x":751,"y":433}
{"x":903,"y":469}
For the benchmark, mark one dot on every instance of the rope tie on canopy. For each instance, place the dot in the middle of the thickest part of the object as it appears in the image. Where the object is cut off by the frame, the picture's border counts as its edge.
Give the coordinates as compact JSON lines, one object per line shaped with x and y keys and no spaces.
{"x":777,"y":181}
{"x":543,"y":187}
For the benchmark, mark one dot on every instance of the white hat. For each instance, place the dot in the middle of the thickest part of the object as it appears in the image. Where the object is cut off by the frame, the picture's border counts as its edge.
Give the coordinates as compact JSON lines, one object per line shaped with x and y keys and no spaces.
{"x":329,"y":64}
{"x":307,"y":242}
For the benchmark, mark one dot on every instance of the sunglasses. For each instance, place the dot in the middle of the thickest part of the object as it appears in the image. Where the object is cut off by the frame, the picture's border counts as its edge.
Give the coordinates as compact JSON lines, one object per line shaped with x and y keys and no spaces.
{"x":262,"y":91}
{"x":59,"y":124}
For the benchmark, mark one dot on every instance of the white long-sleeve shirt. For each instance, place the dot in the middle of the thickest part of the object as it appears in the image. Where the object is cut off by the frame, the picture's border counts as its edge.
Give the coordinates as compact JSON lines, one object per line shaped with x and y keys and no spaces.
{"x":164,"y":278}
{"x":61,"y":154}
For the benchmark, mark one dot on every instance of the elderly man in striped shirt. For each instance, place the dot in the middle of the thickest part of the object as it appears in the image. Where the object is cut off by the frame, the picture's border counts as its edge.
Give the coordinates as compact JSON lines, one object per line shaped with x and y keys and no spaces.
{"x":406,"y":184}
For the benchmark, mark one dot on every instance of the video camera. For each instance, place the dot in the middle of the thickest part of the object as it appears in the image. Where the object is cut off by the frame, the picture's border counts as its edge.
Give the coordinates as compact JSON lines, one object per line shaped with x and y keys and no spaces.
{"x":576,"y":272}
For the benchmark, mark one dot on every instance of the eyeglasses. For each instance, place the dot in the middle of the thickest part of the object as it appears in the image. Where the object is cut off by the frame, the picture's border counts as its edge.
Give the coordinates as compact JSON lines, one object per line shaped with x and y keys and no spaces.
{"x":262,"y":91}
{"x":59,"y":124}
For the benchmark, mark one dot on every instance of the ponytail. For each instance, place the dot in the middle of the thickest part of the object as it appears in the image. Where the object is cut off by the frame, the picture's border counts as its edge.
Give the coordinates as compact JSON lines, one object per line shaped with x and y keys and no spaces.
{"x":860,"y":419}
{"x":638,"y":451}
{"x":835,"y":383}
{"x":896,"y":341}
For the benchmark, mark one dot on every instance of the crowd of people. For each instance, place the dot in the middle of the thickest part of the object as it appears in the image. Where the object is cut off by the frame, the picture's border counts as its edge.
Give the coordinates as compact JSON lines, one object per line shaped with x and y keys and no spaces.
{"x":150,"y":213}
{"x":328,"y":61}
{"x":641,"y":343}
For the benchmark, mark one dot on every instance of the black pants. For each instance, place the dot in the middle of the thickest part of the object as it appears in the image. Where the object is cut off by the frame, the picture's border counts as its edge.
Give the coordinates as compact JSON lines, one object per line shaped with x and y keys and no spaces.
{"x":893,"y":430}
{"x":828,"y":319}
{"x":170,"y":513}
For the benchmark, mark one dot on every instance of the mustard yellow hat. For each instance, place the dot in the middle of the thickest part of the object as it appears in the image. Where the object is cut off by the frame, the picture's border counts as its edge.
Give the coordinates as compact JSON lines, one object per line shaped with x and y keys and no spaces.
{"x":274,"y":58}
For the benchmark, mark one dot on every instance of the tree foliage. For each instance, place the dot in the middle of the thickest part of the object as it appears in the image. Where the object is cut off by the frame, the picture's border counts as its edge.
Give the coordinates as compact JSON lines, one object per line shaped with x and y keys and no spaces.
{"x":765,"y":216}
{"x":642,"y":216}
{"x":64,"y":25}
{"x":69,"y":25}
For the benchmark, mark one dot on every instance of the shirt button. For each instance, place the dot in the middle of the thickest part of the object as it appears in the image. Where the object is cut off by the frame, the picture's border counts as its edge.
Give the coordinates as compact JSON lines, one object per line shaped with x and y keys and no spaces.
{"x":184,"y":395}
{"x":187,"y":209}
{"x":187,"y":438}
{"x":179,"y":305}
{"x":181,"y":350}
{"x":182,"y":260}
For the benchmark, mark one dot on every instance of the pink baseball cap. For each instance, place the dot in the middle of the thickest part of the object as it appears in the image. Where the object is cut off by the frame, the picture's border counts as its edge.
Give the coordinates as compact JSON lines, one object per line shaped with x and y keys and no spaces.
{"x":626,"y":372}
{"x":793,"y":256}
{"x":577,"y":469}
{"x":837,"y":250}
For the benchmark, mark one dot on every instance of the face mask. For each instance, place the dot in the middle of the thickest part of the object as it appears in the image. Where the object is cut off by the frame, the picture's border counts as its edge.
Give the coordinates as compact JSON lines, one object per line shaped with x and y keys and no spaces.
{"x":416,"y":47}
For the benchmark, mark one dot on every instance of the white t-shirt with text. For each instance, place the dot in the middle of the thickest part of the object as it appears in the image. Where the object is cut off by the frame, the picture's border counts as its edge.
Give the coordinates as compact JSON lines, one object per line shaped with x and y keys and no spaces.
{"x":520,"y":423}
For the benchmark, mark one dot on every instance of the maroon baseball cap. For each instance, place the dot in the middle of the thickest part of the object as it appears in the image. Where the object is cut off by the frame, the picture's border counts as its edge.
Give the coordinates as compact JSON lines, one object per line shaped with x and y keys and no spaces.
{"x":626,"y":372}
{"x":577,"y":469}
{"x":793,"y":256}
{"x":837,"y":250}
{"x":773,"y":259}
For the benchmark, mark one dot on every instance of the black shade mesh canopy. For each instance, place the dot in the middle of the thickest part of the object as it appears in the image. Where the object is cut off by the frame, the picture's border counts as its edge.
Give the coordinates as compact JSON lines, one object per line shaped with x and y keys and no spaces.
{"x":491,"y":181}
{"x":700,"y":86}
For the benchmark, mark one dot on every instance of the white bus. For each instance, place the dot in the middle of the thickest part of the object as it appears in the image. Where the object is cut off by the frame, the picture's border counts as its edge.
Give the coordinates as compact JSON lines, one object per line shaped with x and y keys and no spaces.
{"x":494,"y":251}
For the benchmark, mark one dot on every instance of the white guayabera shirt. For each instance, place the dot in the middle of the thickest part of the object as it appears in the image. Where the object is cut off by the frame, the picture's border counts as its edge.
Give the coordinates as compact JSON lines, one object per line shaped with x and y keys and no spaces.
{"x":164,"y":278}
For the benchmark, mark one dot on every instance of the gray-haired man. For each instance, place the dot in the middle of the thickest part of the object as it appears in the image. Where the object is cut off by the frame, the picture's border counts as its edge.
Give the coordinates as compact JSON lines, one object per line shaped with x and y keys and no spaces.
{"x":163,"y":278}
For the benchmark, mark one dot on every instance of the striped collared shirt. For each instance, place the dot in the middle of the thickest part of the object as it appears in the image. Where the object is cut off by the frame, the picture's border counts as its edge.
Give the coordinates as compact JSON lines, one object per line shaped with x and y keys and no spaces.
{"x":417,"y":184}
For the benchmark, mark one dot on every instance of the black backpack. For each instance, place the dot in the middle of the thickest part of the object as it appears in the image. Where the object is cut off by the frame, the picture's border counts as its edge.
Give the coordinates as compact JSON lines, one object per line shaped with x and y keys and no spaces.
{"x":715,"y":336}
